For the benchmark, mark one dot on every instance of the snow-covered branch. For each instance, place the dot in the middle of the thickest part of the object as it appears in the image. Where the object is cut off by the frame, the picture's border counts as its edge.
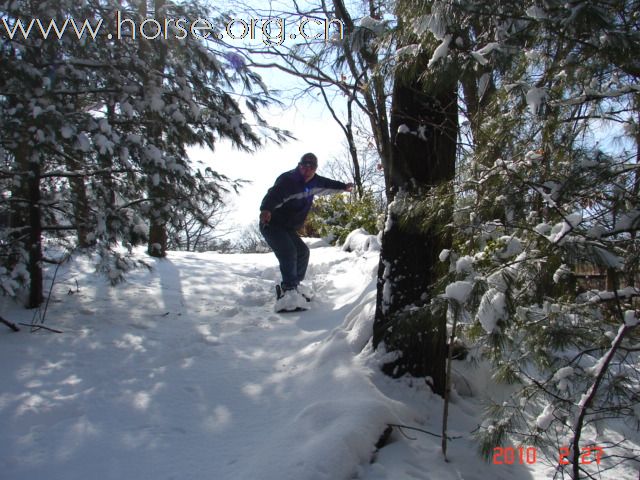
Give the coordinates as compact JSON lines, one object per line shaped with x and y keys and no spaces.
{"x":594,"y":95}
{"x":587,"y":398}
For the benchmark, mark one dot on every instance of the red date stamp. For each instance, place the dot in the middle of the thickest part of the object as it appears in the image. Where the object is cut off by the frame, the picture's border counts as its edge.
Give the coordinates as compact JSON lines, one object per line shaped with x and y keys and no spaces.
{"x":529,"y":455}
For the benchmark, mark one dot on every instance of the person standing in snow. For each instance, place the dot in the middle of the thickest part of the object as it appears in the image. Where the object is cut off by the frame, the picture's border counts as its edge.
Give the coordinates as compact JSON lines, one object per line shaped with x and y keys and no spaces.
{"x":284,"y":210}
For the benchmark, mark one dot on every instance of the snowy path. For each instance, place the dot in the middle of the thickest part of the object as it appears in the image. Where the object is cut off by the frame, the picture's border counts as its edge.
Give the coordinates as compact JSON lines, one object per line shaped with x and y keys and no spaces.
{"x":183,"y":372}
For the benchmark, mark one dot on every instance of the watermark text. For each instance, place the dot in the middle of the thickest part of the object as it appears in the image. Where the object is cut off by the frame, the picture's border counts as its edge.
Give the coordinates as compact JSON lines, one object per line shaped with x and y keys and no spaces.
{"x":270,"y":31}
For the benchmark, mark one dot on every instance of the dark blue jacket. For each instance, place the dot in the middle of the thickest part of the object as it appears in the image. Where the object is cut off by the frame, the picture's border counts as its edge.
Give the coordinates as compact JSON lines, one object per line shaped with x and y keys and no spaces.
{"x":290,"y":198}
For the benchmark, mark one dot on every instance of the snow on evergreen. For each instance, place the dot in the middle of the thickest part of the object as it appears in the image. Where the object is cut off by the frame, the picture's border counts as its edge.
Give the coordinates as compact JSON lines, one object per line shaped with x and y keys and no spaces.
{"x":562,"y":377}
{"x":441,"y":51}
{"x":463,"y":264}
{"x":630,"y":318}
{"x":535,"y":98}
{"x":459,"y":291}
{"x":492,"y":309}
{"x":376,"y":26}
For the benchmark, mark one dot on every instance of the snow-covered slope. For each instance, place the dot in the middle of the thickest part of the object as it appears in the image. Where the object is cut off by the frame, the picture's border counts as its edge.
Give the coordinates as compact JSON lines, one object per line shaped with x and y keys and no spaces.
{"x":185,"y":372}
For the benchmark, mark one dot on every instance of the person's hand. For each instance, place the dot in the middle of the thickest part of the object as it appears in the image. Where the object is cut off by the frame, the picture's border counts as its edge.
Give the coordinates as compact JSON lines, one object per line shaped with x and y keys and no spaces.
{"x":265,"y":217}
{"x":349,"y":187}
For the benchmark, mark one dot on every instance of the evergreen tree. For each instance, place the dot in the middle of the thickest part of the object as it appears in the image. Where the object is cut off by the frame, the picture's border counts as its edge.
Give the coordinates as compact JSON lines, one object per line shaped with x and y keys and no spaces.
{"x":542,"y":193}
{"x":94,"y":140}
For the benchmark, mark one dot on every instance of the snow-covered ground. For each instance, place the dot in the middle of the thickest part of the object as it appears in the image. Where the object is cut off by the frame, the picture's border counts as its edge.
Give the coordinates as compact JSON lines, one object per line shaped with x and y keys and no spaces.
{"x":185,"y":372}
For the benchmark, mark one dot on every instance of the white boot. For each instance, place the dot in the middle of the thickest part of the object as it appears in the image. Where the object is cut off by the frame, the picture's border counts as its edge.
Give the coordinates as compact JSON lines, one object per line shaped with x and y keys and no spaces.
{"x":305,"y":291}
{"x":290,"y":301}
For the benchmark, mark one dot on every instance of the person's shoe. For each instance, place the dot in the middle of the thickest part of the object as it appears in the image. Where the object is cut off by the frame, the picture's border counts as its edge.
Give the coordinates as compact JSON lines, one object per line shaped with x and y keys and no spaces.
{"x":305,"y":291}
{"x":289,"y":300}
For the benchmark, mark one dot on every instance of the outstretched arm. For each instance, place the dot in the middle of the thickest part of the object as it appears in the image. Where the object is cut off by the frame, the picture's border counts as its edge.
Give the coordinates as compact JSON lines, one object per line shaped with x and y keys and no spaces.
{"x":332,"y":186}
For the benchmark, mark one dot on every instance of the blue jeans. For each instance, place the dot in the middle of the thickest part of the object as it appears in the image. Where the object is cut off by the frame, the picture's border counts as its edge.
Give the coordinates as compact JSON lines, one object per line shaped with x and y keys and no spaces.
{"x":291,"y":252}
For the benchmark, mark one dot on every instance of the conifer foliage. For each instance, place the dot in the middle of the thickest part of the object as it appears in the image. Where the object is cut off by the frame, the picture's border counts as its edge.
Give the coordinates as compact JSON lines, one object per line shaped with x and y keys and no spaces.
{"x":335,"y":217}
{"x":94,"y":128}
{"x":546,"y":189}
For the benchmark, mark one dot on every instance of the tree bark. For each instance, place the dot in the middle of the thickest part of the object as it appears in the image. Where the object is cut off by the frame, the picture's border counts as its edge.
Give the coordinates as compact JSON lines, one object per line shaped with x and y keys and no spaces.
{"x":80,"y":200}
{"x":36,"y":295}
{"x":422,"y":158}
{"x":9,"y":324}
{"x":26,"y":222}
{"x":157,"y":246}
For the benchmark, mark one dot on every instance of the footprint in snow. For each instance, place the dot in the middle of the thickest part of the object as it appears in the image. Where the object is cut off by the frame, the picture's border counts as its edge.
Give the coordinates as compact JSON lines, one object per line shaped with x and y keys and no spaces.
{"x":229,"y":311}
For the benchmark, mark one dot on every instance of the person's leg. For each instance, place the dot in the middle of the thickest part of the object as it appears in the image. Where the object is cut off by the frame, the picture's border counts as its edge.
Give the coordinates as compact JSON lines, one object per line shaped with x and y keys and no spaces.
{"x":302,"y":256}
{"x":285,"y":251}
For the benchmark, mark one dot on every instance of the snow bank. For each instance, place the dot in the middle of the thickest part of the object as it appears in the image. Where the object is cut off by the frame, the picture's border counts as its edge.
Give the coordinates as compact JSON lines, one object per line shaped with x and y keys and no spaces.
{"x":359,"y":322}
{"x":315,"y":242}
{"x":328,"y":438}
{"x":361,"y":241}
{"x":183,"y":371}
{"x":630,"y":318}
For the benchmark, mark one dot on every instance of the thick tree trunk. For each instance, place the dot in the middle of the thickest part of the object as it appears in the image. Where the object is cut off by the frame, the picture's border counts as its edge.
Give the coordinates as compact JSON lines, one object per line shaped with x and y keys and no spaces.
{"x":81,"y":211}
{"x":157,"y":246}
{"x":422,"y":158}
{"x":633,"y":278}
{"x":26,"y":222}
{"x":36,"y":295}
{"x":157,"y":239}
